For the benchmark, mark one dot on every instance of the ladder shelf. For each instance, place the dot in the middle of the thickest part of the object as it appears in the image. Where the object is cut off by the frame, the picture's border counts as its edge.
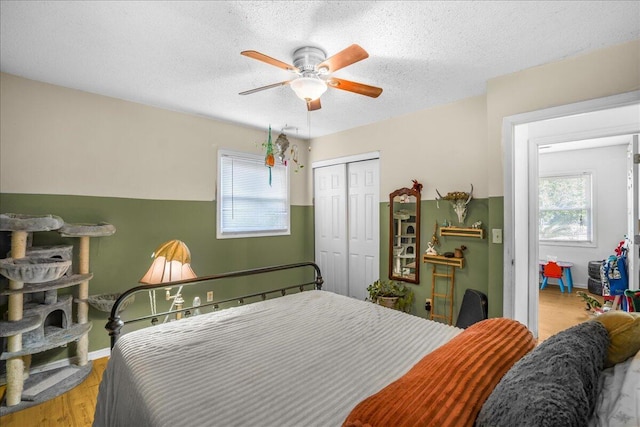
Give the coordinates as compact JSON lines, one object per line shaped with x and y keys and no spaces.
{"x":450,"y":275}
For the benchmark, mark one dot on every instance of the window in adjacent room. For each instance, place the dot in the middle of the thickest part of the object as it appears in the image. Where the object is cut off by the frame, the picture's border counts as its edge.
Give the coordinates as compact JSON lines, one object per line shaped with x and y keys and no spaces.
{"x":565,"y":208}
{"x":247,"y":206}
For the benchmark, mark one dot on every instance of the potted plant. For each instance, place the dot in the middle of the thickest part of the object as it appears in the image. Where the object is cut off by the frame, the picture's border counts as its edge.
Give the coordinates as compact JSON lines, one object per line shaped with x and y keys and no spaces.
{"x":391,"y":294}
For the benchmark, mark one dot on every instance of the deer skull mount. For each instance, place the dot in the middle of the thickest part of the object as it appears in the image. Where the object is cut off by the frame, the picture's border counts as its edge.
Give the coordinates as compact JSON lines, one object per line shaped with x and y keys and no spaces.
{"x":459,"y":200}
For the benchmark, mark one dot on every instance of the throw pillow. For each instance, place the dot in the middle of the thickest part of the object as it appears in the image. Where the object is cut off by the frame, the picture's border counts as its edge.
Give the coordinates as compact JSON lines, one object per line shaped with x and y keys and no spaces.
{"x":555,"y":385}
{"x":624,"y":334}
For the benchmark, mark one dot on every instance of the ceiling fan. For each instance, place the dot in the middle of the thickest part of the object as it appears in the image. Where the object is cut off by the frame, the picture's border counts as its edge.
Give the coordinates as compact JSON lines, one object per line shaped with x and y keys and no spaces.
{"x":314,"y":70}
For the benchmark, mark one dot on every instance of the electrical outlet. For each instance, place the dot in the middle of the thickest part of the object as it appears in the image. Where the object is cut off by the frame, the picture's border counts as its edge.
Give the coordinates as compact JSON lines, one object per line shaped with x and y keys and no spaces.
{"x":209,"y":296}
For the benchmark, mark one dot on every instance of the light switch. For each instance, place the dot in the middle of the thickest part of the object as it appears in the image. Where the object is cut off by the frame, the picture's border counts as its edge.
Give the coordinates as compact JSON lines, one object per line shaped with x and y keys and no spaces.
{"x":497,"y":235}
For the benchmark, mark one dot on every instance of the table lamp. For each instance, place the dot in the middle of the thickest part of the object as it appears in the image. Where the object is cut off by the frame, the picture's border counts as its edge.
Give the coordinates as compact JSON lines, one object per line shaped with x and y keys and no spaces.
{"x":172,"y":262}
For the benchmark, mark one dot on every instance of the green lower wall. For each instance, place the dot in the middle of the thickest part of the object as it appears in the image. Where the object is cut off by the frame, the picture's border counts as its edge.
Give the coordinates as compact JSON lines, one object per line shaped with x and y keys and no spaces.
{"x":119,"y":261}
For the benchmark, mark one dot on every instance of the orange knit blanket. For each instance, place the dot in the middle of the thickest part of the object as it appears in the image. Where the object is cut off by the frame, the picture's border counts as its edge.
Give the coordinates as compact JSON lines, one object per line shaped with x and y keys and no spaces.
{"x":449,"y":385}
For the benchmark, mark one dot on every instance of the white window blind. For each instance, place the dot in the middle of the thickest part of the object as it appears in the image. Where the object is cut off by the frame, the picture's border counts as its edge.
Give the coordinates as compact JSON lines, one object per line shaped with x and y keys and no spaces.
{"x":565,"y":208}
{"x":247,"y":205}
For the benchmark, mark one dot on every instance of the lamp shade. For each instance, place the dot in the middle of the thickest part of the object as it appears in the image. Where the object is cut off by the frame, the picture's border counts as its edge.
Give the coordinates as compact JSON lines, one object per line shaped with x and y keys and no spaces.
{"x":308,"y":88}
{"x":172,"y":261}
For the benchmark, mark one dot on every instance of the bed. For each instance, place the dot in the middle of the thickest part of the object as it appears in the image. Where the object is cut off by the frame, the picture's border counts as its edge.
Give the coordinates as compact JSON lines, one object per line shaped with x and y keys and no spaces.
{"x":315,"y":358}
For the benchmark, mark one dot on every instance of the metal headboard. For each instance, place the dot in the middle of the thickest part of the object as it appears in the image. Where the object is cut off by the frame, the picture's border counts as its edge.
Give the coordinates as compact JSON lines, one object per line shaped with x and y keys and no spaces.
{"x":115,"y":323}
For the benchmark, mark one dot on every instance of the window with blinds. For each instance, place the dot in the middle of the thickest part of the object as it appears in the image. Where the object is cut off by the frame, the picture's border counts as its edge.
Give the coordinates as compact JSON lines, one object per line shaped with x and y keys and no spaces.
{"x":248,"y":205}
{"x":565,"y":208}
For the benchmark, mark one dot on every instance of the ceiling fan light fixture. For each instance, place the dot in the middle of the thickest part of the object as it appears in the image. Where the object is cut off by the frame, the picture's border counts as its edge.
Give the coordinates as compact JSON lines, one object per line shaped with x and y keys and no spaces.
{"x":308,"y":88}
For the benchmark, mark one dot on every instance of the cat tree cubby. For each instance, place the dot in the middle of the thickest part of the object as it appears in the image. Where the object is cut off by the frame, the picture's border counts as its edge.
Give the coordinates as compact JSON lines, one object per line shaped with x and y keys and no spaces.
{"x":38,"y":319}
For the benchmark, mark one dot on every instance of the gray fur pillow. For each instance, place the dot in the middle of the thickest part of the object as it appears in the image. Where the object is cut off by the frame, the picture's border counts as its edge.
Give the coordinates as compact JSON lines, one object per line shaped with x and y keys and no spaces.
{"x":554,"y":385}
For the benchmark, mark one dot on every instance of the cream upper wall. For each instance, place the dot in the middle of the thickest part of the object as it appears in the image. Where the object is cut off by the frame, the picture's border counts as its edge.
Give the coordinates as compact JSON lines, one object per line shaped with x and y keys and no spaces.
{"x":442,"y":147}
{"x":450,"y":146}
{"x":84,"y":144}
{"x":598,"y":74}
{"x":55,"y":140}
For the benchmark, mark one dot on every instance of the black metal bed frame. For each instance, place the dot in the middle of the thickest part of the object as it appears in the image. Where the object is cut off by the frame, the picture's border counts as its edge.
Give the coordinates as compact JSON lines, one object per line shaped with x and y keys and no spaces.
{"x":115,"y":323}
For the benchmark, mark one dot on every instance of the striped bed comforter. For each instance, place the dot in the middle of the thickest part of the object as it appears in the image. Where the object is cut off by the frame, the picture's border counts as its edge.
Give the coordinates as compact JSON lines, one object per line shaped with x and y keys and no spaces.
{"x":302,"y":359}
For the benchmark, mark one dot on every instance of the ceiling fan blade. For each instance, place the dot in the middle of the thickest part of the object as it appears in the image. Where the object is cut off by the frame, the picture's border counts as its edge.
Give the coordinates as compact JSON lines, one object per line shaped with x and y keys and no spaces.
{"x":258,"y":89}
{"x":355,"y":87}
{"x":348,"y":56}
{"x":269,"y":60}
{"x":313,"y":105}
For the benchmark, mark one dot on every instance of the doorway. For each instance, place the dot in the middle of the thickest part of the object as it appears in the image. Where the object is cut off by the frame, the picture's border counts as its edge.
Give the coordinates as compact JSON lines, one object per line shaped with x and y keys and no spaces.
{"x":582,"y":217}
{"x":347,"y":223}
{"x":606,"y":117}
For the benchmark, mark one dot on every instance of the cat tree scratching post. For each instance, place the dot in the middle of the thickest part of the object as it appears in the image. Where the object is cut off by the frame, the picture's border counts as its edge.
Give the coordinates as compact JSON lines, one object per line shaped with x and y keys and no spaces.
{"x":15,"y":365}
{"x":84,"y":232}
{"x":83,"y":304}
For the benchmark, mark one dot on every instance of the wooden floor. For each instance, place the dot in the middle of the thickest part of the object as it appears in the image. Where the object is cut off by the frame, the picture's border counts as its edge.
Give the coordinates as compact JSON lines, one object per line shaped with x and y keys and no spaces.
{"x":557,"y":312}
{"x":74,"y":408}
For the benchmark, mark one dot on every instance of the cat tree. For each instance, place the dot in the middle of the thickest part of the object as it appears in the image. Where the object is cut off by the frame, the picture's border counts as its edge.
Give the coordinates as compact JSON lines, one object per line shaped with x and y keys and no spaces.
{"x":37,"y":319}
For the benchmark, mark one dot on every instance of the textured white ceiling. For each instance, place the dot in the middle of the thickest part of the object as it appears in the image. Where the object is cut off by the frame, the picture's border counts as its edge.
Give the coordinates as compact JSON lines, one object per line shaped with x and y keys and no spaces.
{"x":185,"y":56}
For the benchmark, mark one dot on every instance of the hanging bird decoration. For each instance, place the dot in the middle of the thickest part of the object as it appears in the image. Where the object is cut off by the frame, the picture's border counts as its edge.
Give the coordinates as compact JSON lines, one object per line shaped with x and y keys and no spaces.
{"x":269,"y":159}
{"x":282,"y":144}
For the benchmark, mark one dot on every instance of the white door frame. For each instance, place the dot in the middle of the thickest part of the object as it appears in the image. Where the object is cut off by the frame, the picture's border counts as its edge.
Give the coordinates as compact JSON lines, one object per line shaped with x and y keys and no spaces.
{"x":633,"y":226}
{"x":520,"y":297}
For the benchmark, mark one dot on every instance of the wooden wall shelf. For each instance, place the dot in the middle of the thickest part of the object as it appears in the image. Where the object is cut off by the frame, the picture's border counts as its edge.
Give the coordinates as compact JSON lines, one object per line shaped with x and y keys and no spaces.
{"x":462,"y":232}
{"x":442,"y":260}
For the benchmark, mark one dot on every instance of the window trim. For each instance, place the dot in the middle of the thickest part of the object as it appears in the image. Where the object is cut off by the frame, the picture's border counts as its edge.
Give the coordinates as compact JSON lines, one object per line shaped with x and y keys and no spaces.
{"x":573,"y":243}
{"x":264,"y":233}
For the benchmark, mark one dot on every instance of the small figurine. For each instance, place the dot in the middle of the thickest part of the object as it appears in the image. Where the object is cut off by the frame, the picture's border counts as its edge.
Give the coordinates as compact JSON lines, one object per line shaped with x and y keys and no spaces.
{"x":591,"y":302}
{"x":476,"y":224}
{"x":434,"y":238}
{"x":621,"y":249}
{"x":458,"y":251}
{"x":430,"y":249}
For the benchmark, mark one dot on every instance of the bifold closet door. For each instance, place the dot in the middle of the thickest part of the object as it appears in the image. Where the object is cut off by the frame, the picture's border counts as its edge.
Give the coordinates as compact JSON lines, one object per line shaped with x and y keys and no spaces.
{"x":330,"y":193}
{"x":347,"y":226}
{"x":363,"y":226}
